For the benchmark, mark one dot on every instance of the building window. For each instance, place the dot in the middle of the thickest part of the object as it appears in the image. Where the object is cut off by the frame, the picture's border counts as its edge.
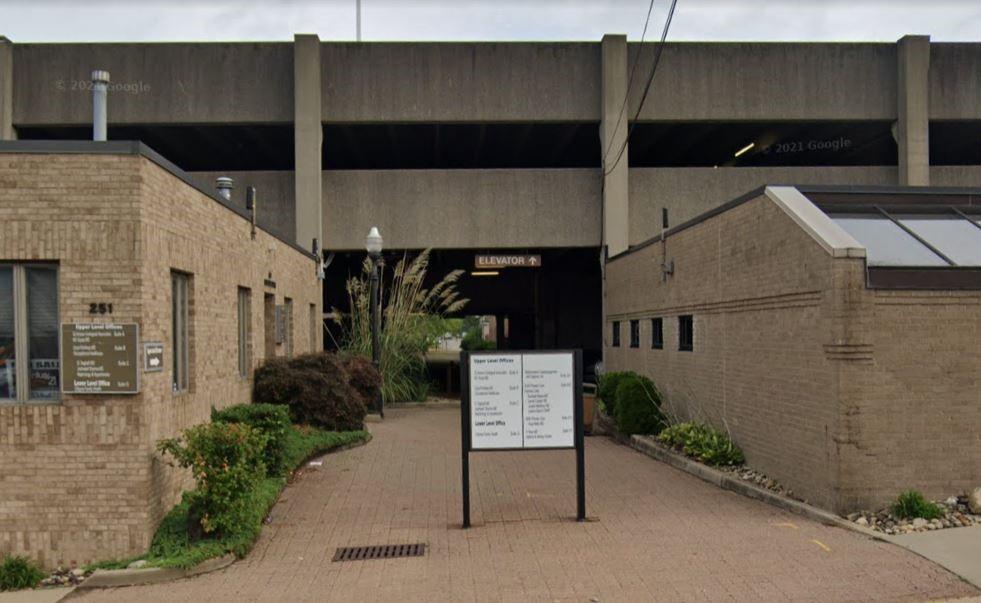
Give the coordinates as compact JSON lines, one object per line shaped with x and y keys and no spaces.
{"x":269,"y":325}
{"x":686,"y":333}
{"x":180,"y":341}
{"x":635,"y":333}
{"x":288,"y":327}
{"x":244,"y":331}
{"x":29,"y":332}
{"x":313,"y":328}
{"x":616,"y":333}
{"x":657,"y":333}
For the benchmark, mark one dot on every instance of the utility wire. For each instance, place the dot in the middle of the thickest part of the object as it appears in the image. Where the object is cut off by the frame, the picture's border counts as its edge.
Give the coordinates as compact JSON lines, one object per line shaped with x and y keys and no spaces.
{"x":630,"y":81}
{"x":647,"y":89}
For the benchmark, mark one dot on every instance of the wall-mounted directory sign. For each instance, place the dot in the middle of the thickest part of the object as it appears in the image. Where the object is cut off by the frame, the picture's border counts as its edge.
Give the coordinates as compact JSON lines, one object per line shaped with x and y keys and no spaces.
{"x":100,"y":358}
{"x":522,"y":401}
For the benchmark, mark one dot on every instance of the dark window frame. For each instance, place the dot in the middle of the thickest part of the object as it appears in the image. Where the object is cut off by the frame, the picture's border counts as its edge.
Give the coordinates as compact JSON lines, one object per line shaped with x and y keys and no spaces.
{"x":686,"y":333}
{"x":616,"y":334}
{"x":635,"y":333}
{"x":21,"y":315}
{"x":181,"y":291}
{"x":657,"y":333}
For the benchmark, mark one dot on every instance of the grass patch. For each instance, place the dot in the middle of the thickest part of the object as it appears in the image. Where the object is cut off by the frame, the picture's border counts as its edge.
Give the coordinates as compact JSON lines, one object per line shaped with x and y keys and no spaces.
{"x":18,"y":572}
{"x":912,"y":504}
{"x":172,"y":548}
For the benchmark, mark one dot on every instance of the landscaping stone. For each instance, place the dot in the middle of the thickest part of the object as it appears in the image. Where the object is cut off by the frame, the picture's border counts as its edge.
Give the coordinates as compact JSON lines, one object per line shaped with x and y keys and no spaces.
{"x":974,"y":501}
{"x":138,"y":564}
{"x":65,"y":577}
{"x":957,"y":513}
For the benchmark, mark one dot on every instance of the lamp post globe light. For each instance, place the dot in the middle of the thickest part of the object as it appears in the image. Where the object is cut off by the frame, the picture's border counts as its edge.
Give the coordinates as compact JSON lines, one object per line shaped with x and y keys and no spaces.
{"x":373,"y":245}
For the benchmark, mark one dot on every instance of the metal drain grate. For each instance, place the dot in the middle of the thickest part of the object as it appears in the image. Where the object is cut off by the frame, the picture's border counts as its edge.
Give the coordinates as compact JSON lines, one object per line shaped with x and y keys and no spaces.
{"x":379,"y":551}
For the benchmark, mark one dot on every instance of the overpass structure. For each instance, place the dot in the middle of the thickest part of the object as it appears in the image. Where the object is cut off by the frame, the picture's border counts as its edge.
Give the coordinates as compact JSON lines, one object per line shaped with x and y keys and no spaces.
{"x":482,"y":147}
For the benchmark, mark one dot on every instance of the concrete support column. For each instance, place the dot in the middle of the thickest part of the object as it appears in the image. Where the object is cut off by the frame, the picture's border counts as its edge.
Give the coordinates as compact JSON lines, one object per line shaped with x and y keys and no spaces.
{"x":6,"y":89}
{"x":616,"y":204}
{"x":308,"y":137}
{"x":913,"y":95}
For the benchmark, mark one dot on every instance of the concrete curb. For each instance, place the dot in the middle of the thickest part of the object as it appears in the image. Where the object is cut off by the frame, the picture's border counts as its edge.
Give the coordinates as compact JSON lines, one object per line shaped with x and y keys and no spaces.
{"x":152,"y":575}
{"x":647,"y":445}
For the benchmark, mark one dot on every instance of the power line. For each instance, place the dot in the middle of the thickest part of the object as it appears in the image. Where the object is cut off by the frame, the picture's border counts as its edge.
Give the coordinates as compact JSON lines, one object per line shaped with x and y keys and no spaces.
{"x":630,"y":80}
{"x":647,"y":89}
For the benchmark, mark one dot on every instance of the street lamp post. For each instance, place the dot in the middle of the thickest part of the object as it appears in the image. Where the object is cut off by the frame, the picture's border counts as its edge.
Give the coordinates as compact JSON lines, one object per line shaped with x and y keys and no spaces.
{"x":373,"y":244}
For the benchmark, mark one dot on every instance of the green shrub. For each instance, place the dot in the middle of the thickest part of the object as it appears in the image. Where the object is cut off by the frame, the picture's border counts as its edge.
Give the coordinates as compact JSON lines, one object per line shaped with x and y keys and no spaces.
{"x":474,"y":341}
{"x":226,"y":462}
{"x":19,"y":572}
{"x":607,"y":389}
{"x":273,"y":420}
{"x":911,"y":504}
{"x":638,"y":406}
{"x":704,"y":443}
{"x":317,"y":389}
{"x":364,"y":378}
{"x":173,"y":546}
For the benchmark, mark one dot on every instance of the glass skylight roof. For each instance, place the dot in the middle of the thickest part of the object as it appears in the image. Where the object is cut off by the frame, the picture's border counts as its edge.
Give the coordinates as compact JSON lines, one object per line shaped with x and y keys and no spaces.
{"x":887,"y":244}
{"x":953,"y":236}
{"x":924,"y":240}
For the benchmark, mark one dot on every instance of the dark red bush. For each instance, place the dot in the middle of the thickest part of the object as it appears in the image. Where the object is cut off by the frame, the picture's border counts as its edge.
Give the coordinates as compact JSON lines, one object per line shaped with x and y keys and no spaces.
{"x":364,"y":378}
{"x":317,"y":389}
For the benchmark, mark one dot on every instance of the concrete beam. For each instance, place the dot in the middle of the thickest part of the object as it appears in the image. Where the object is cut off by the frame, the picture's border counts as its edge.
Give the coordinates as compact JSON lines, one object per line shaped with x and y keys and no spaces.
{"x":913,"y":96}
{"x":6,"y":89}
{"x":308,"y":139}
{"x":613,"y":137}
{"x":462,"y":208}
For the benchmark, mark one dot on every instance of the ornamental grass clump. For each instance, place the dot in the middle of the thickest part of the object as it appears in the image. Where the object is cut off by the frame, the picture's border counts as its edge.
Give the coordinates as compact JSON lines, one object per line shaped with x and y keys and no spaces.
{"x":18,"y":572}
{"x":226,"y":462}
{"x":911,"y":504}
{"x":704,"y":443}
{"x":409,"y":312}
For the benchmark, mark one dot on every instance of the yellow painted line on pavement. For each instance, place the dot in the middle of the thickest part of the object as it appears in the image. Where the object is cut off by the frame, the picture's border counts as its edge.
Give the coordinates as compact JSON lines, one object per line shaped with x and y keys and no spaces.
{"x":827,"y":549}
{"x":786,"y":524}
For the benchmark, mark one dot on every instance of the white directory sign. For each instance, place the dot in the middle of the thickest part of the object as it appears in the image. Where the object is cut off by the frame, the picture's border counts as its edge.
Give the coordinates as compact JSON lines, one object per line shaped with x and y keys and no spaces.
{"x":522,"y":400}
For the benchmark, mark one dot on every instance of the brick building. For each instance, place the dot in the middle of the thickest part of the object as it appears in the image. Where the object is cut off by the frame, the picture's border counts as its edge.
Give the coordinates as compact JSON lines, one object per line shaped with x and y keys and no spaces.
{"x":115,"y":229}
{"x":835,"y":332}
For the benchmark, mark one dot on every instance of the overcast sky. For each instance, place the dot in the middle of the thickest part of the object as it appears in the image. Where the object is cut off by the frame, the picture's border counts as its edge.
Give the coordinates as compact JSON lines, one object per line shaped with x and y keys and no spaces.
{"x":171,"y":20}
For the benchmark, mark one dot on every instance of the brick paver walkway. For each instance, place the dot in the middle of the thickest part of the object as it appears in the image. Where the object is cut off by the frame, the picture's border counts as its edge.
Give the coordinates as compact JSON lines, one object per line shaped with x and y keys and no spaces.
{"x":655,"y":534}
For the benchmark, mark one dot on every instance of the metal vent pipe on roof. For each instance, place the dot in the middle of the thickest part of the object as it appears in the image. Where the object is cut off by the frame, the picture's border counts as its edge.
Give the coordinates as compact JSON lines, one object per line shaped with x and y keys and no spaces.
{"x":224,"y":185}
{"x":100,"y":90}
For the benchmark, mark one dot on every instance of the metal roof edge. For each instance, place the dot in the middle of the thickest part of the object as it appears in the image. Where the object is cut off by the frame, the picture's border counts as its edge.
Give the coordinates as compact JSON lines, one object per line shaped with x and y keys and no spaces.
{"x":832,"y":237}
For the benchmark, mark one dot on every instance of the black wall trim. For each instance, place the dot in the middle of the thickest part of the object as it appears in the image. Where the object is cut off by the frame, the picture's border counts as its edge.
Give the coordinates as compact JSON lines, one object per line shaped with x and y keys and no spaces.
{"x":925,"y":279}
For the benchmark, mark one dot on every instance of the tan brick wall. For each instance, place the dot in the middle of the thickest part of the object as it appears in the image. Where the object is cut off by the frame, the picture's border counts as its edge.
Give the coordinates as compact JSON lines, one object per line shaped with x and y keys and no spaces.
{"x":79,"y":479}
{"x":912,"y":417}
{"x":845,"y":394}
{"x":755,"y":284}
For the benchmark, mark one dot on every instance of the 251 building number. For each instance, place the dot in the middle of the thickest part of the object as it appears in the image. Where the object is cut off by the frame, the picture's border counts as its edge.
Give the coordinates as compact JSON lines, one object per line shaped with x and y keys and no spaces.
{"x":100,"y":308}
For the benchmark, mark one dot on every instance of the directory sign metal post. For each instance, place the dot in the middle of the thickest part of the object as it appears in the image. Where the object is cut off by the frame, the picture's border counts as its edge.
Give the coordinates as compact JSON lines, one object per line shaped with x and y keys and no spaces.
{"x":522,"y":401}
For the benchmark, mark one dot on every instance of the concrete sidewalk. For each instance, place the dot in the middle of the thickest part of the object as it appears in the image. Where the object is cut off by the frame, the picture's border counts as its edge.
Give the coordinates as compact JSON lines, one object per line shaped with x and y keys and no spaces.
{"x":40,"y":595}
{"x":655,"y":534}
{"x":957,"y":549}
